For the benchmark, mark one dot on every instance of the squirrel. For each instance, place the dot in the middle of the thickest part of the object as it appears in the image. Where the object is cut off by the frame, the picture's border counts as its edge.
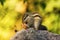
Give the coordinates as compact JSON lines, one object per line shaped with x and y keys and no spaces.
{"x":33,"y":20}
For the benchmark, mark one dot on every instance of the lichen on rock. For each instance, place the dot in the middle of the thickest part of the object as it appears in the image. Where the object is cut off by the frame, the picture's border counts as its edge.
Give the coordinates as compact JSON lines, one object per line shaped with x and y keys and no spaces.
{"x":31,"y":34}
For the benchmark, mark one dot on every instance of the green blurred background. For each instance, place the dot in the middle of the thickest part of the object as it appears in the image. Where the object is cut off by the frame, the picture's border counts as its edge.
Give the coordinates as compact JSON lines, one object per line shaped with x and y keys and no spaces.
{"x":11,"y":12}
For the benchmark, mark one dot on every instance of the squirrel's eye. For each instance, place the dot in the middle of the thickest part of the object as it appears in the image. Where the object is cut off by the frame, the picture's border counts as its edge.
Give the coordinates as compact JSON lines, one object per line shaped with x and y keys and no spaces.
{"x":26,"y":22}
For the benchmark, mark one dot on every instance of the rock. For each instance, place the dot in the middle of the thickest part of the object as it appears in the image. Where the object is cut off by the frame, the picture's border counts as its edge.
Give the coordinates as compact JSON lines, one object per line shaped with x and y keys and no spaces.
{"x":31,"y":34}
